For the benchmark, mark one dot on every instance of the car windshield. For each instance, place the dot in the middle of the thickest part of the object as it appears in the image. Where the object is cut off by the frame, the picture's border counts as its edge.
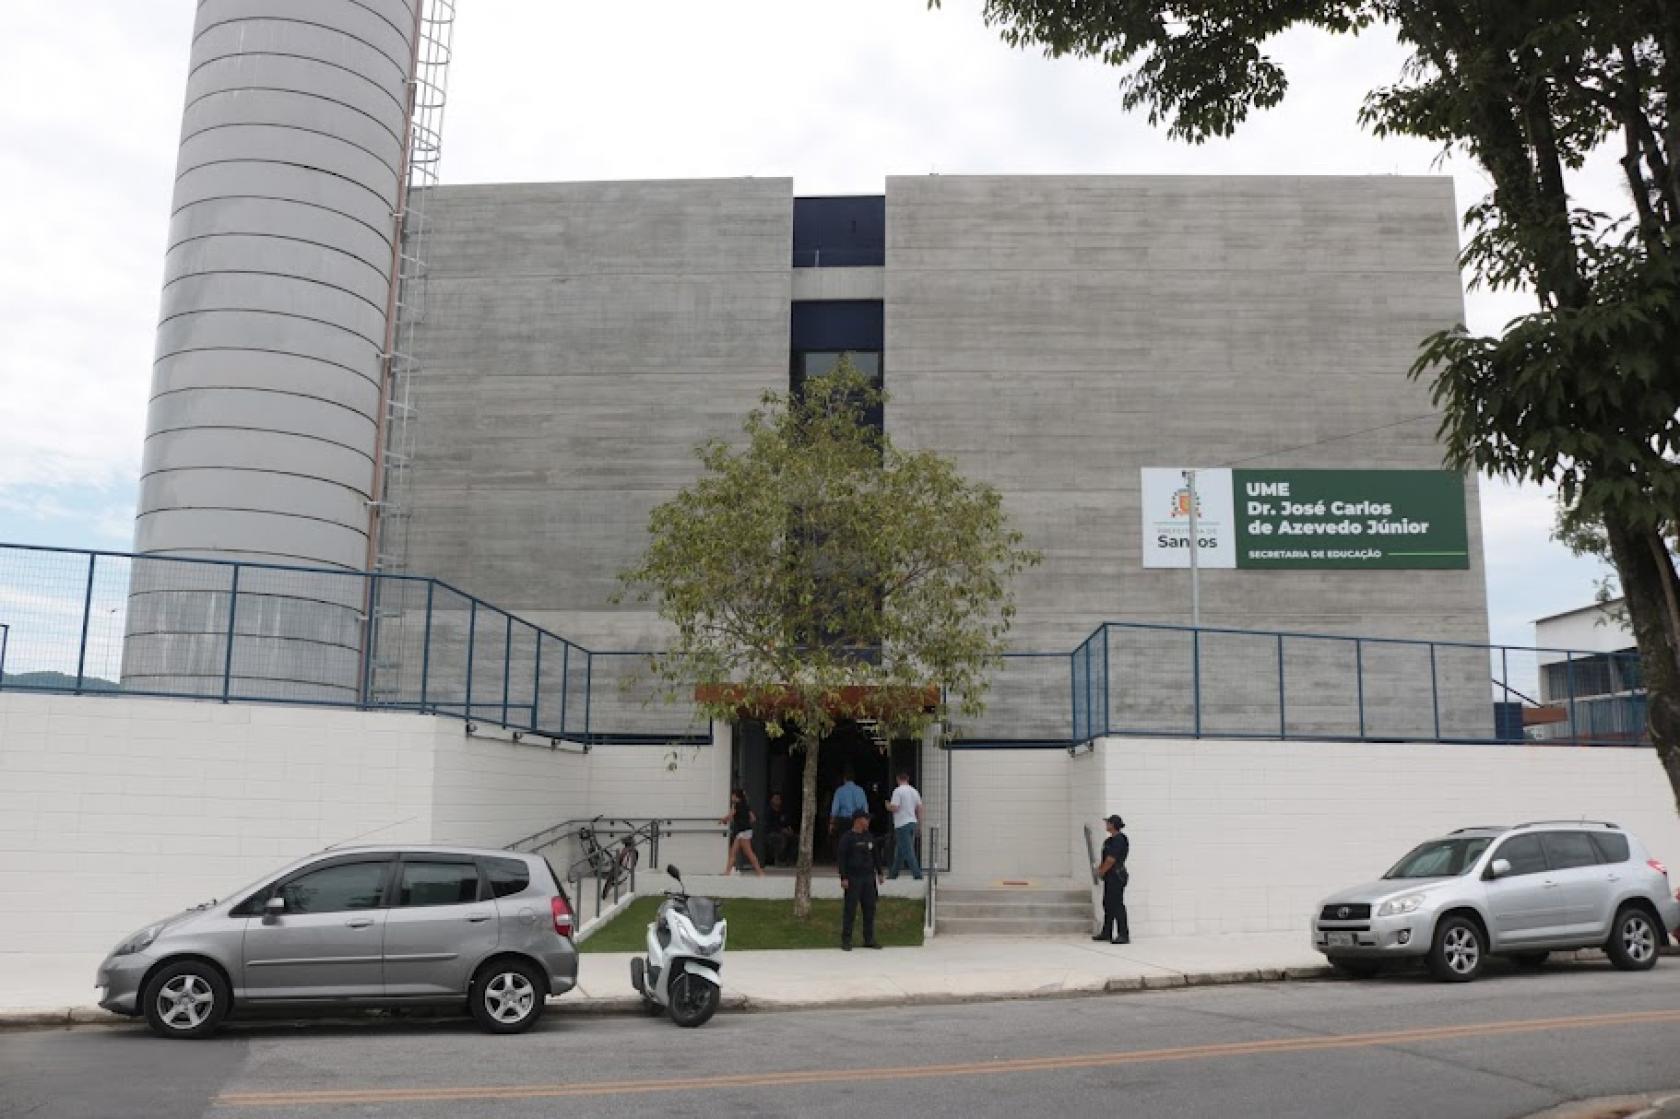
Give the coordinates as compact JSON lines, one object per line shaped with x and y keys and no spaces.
{"x":1441,"y":858}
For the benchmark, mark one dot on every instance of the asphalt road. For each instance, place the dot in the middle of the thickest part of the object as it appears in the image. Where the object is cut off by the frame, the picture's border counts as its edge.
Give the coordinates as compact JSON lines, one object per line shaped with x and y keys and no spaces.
{"x":1508,"y":1045}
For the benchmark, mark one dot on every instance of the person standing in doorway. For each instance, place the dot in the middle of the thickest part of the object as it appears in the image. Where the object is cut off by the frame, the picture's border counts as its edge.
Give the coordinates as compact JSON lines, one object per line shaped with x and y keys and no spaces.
{"x":1112,"y":871}
{"x":906,"y":805}
{"x":860,"y":875}
{"x":740,"y":820}
{"x":779,"y":838}
{"x":849,"y":800}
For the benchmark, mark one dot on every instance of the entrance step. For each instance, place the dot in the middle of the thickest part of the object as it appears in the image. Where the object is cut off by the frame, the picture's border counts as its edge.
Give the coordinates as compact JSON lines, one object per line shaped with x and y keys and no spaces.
{"x":1014,"y":912}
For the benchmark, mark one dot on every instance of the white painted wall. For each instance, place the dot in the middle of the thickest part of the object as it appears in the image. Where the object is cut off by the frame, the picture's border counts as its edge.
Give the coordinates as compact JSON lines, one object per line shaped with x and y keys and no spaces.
{"x":114,"y":811}
{"x":1009,"y":813}
{"x":1592,"y":629}
{"x":1250,"y":836}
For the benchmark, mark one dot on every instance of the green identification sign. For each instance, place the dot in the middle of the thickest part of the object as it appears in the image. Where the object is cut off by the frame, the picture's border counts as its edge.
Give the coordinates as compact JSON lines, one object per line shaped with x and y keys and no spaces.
{"x":1362,"y":519}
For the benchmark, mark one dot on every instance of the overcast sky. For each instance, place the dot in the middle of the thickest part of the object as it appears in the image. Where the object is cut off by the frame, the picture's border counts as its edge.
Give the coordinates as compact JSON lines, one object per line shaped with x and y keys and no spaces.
{"x":835,"y":93}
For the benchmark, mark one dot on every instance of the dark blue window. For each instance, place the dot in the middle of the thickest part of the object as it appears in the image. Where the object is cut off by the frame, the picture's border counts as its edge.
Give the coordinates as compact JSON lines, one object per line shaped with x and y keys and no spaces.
{"x":843,"y":232}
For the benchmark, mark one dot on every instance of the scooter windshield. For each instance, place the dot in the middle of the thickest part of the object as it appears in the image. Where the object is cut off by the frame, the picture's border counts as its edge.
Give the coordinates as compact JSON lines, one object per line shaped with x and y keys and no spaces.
{"x":703,"y":912}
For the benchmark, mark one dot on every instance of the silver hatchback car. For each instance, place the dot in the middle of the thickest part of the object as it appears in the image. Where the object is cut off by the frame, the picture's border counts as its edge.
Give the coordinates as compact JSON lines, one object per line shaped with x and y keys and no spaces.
{"x":1521,"y":892}
{"x":357,"y":927}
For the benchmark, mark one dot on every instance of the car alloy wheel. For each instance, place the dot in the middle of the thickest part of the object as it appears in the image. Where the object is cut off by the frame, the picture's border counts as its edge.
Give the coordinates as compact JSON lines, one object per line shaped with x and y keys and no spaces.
{"x":1456,"y":954}
{"x":1633,"y":945}
{"x":185,"y":1002}
{"x":509,"y":997}
{"x":1461,"y":950}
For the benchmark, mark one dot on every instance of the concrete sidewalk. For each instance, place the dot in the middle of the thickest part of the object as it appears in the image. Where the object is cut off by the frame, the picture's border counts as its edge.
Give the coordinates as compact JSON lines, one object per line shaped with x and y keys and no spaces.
{"x":945,"y":969}
{"x":971,"y":968}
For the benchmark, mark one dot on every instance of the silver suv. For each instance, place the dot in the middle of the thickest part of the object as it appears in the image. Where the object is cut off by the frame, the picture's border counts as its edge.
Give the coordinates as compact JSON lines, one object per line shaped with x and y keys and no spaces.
{"x":358,"y":927}
{"x":1520,"y":892}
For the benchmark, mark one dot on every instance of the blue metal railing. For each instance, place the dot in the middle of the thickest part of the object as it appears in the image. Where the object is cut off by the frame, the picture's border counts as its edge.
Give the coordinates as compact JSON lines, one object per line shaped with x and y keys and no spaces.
{"x":82,"y":622}
{"x":1155,"y":679}
{"x":112,"y":622}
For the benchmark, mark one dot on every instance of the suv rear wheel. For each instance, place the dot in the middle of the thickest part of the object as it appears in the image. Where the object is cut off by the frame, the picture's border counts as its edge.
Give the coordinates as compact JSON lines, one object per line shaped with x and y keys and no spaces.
{"x":1458,"y":951}
{"x":1633,"y":940}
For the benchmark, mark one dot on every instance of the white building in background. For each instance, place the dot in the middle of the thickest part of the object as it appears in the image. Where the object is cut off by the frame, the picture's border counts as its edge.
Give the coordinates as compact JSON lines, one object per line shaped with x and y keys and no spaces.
{"x":1595,"y":686}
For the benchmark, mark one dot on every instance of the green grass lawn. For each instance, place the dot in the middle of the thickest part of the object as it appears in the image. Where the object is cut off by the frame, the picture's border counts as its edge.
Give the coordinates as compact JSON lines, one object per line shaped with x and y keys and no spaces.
{"x":759,"y":923}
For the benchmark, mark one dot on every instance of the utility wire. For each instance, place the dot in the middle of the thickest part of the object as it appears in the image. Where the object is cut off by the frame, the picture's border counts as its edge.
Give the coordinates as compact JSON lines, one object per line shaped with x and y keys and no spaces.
{"x":1322,"y":442}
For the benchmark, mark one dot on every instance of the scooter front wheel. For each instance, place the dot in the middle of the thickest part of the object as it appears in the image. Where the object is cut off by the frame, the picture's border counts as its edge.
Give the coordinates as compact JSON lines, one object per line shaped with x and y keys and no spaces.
{"x":693,"y":1000}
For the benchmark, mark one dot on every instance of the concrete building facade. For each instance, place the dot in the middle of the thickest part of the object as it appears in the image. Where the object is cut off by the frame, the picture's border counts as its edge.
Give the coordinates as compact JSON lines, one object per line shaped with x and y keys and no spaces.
{"x":1054,"y":335}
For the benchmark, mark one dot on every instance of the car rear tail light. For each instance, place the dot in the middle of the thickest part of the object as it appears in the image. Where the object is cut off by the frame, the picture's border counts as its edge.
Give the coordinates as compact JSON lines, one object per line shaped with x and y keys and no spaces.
{"x":1656,"y":865}
{"x":562,"y":917}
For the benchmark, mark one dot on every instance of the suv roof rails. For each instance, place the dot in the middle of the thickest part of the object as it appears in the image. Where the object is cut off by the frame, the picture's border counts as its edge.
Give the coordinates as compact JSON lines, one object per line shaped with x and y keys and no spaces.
{"x":1573,"y":823}
{"x":1478,"y":827}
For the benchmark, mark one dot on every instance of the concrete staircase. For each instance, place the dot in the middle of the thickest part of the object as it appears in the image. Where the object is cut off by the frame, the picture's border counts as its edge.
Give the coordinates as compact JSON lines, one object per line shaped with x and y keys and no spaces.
{"x":1014,"y":911}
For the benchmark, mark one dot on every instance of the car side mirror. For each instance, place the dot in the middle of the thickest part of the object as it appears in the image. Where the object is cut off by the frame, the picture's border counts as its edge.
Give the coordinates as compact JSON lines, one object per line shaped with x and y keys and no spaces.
{"x":672,"y":870}
{"x":1499,"y":868}
{"x":274,"y":907}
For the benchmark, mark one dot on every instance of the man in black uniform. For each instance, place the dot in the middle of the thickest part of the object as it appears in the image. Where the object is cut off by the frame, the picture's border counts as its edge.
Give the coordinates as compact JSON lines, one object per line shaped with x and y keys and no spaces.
{"x":1112,"y":871}
{"x":860,"y":872}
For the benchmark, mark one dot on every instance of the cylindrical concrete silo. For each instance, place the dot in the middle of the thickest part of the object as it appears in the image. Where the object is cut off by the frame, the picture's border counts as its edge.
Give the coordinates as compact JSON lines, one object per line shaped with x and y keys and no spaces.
{"x":263,"y":426}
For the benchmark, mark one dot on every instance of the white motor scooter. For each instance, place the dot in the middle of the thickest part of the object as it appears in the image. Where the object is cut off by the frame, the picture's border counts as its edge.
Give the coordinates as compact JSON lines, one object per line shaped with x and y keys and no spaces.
{"x":684,"y":955}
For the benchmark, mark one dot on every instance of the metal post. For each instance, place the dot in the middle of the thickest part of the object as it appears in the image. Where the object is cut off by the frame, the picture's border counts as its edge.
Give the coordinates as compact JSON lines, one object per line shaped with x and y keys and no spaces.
{"x":1283,"y":722}
{"x":536,"y":689}
{"x":1196,"y":676}
{"x":1434,"y":691}
{"x":1090,"y":707}
{"x":87,"y":609}
{"x":1073,"y":693}
{"x":1359,"y":680}
{"x":1505,"y":682}
{"x":588,"y":692}
{"x":5,"y":638}
{"x":472,"y":634}
{"x":1195,"y":551}
{"x":1106,"y":704}
{"x":507,"y":664}
{"x":1574,"y":724}
{"x":227,"y":659}
{"x":565,"y":680}
{"x":426,"y":647}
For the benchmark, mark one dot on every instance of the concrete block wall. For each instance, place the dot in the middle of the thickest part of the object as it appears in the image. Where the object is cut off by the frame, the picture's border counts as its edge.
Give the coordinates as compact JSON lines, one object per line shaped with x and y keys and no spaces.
{"x":1250,"y":836}
{"x":580,"y":340}
{"x":1055,"y":334}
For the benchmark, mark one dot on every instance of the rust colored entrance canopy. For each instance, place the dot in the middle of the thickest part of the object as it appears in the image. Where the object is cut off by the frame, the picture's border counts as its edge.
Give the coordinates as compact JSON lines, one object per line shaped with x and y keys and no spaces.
{"x":854,"y":701}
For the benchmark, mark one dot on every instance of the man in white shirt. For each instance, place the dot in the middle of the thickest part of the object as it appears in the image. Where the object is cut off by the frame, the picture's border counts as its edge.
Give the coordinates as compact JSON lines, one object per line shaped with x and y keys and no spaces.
{"x":906,"y":805}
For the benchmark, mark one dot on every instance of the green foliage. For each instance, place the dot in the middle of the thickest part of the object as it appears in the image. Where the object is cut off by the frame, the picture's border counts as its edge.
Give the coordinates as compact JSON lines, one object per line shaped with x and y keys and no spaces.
{"x":818,"y":557}
{"x":758,"y":924}
{"x":818,"y":573}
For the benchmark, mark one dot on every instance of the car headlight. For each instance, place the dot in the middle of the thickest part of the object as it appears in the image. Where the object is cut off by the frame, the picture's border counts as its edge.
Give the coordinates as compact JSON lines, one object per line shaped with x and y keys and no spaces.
{"x":140,"y":941}
{"x":1395,"y":907}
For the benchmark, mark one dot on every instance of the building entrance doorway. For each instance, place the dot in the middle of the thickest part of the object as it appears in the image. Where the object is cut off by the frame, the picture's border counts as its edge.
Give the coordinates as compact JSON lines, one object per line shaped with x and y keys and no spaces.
{"x":763,"y":766}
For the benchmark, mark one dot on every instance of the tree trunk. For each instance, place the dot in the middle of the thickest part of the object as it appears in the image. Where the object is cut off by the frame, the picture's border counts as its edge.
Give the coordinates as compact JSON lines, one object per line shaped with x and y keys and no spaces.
{"x":807,"y":827}
{"x":1651,"y":588}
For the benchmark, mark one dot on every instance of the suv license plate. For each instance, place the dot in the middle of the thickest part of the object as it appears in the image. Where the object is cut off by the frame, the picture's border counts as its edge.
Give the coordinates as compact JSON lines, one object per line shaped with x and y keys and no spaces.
{"x":1339,"y":940}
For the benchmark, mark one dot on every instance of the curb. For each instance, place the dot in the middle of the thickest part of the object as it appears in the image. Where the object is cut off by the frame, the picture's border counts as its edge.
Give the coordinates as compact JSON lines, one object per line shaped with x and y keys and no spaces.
{"x":68,"y":1017}
{"x":1647,"y":1105}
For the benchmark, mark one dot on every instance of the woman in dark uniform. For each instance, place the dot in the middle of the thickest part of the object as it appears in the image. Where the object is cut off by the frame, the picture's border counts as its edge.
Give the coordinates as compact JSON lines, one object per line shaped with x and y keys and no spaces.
{"x":1112,"y":871}
{"x":740,"y":820}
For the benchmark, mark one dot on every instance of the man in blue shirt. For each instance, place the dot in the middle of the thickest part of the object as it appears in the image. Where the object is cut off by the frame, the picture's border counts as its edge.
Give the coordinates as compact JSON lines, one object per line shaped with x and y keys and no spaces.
{"x":849,"y":800}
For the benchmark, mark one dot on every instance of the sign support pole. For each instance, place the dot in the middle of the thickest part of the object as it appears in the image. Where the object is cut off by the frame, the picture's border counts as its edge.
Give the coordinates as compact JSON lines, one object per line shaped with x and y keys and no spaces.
{"x":1195,"y":547}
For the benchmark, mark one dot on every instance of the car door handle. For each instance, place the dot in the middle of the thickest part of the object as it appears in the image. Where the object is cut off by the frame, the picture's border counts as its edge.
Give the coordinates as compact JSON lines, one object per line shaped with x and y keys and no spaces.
{"x":1615,"y":878}
{"x":1549,"y":885}
{"x":359,"y":922}
{"x":475,"y":918}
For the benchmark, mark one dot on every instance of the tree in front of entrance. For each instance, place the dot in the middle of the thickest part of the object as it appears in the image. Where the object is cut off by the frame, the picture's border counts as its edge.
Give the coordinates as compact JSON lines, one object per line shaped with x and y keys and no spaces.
{"x":1585,"y":392}
{"x":816,"y":573}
